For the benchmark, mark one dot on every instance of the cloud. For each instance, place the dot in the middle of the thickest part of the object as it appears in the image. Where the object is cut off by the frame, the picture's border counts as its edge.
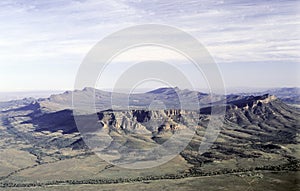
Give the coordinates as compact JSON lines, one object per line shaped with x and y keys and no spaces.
{"x":52,"y":33}
{"x":228,"y":28}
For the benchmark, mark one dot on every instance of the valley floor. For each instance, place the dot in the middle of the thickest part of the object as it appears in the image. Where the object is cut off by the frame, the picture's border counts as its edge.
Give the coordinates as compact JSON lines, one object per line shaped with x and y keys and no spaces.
{"x":275,"y":181}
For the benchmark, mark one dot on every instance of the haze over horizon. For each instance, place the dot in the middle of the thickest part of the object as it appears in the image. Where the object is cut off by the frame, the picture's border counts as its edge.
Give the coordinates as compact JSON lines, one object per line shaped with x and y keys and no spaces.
{"x":43,"y":43}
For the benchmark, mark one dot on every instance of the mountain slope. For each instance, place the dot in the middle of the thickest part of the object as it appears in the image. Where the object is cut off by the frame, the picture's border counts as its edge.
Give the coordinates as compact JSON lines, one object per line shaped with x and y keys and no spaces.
{"x":259,"y":133}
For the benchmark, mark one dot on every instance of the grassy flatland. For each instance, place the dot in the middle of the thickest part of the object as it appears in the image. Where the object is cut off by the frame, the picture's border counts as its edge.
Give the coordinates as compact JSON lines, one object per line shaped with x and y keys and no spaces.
{"x":279,"y":181}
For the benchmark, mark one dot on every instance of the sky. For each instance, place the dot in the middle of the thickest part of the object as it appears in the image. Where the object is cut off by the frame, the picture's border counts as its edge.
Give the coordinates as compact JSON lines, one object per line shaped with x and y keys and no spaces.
{"x":42,"y":43}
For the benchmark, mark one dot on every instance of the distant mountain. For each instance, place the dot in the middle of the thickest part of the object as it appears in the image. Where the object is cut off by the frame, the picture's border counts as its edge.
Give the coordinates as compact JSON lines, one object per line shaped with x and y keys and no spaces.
{"x":163,"y":98}
{"x":16,"y":103}
{"x":287,"y":95}
{"x":18,"y":95}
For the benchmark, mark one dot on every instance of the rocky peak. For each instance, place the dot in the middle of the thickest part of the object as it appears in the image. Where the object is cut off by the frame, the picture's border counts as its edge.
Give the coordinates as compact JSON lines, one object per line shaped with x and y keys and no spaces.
{"x":253,"y":101}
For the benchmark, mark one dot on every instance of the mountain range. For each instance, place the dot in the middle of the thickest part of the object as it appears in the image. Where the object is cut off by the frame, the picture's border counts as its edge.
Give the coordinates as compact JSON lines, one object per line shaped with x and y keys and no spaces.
{"x":259,"y":132}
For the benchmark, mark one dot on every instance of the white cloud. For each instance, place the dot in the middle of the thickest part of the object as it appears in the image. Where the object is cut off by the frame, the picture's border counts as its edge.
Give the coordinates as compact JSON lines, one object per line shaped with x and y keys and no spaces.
{"x":54,"y":32}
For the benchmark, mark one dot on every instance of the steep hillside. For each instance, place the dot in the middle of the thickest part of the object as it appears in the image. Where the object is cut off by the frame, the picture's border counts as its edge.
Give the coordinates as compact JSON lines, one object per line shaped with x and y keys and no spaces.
{"x":259,"y":133}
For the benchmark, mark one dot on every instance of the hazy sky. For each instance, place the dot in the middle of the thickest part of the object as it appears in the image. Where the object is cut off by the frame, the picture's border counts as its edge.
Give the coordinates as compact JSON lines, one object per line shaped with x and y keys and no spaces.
{"x":42,"y":43}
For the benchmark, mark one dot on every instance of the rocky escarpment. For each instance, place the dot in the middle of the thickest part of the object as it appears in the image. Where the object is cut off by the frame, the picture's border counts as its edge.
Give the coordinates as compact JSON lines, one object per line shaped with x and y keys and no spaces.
{"x":254,"y":127}
{"x":266,"y":116}
{"x":146,"y":121}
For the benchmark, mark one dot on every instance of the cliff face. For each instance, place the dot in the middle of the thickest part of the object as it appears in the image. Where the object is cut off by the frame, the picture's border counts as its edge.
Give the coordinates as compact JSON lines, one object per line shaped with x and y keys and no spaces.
{"x":146,"y":121}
